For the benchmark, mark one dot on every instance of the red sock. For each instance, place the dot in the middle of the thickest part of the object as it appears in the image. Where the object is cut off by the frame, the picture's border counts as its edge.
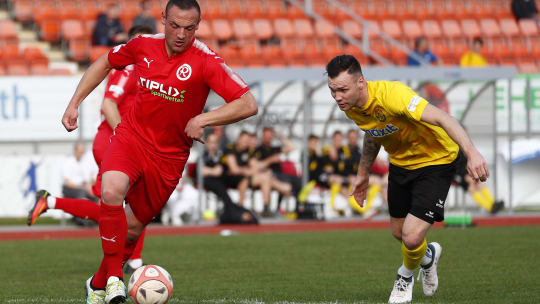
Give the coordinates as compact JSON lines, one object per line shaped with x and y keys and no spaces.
{"x":113,"y":232}
{"x":78,"y":207}
{"x":138,"y":248}
{"x":99,"y":280}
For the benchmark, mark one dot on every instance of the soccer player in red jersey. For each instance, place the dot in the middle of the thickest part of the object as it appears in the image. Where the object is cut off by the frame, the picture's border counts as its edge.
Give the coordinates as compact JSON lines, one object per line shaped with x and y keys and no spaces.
{"x":151,"y":145}
{"x":119,"y":97}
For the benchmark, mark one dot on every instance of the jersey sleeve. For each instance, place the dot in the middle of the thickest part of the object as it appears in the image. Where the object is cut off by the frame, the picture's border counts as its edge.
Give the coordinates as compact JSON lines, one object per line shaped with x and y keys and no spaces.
{"x":400,"y":100}
{"x":116,"y":85}
{"x":223,"y":80}
{"x":124,"y":54}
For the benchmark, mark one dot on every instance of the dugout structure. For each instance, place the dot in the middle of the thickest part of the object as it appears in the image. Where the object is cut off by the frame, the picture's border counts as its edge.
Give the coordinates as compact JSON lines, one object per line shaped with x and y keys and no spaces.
{"x":297,"y":102}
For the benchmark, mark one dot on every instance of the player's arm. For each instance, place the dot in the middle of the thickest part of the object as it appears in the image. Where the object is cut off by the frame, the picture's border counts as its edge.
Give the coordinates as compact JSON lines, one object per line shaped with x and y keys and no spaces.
{"x":231,"y":112}
{"x":476,"y":164}
{"x":110,"y":110}
{"x":90,"y":80}
{"x":233,"y":166}
{"x":370,"y":150}
{"x":214,"y":171}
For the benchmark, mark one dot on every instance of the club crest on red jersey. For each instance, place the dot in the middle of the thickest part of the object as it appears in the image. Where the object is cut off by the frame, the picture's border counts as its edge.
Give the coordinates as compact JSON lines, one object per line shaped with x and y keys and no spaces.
{"x":184,"y":72}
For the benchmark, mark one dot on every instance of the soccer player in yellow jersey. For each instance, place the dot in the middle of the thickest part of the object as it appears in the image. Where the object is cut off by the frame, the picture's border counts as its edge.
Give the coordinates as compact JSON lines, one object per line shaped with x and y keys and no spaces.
{"x":422,"y":142}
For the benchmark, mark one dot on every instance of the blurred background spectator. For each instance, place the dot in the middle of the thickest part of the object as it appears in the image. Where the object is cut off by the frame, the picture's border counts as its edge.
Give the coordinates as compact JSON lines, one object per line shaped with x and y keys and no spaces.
{"x":474,"y":58}
{"x":421,"y":49}
{"x":109,"y":30}
{"x":525,"y":9}
{"x":145,"y":18}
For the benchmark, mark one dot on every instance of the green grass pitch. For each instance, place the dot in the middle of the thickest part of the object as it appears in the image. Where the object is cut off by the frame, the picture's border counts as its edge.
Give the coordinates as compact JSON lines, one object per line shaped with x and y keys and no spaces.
{"x":478,"y":265}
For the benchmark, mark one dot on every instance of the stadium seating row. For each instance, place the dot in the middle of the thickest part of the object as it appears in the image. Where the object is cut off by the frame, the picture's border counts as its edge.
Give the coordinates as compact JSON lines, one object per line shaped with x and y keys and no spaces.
{"x":31,"y":61}
{"x":26,"y":10}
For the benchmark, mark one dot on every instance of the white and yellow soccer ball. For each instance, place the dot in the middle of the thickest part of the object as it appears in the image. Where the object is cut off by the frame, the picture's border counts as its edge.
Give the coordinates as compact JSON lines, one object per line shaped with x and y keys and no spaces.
{"x":150,"y":284}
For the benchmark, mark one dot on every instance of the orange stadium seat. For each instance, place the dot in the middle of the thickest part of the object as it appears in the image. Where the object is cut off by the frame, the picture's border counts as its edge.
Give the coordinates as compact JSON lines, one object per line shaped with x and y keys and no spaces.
{"x":8,"y":34}
{"x":509,"y":27}
{"x":222,"y":29}
{"x":231,"y":54}
{"x":324,"y":29}
{"x":362,"y":9}
{"x":398,"y":56}
{"x":412,"y":29}
{"x":399,"y":10}
{"x":331,"y":49}
{"x":263,"y":29}
{"x":89,"y":27}
{"x":312,"y":53}
{"x":69,"y":11}
{"x":527,"y":67}
{"x":294,"y":12}
{"x":234,"y":9}
{"x":528,"y":27}
{"x":23,"y":10}
{"x":213,"y":10}
{"x":470,"y":28}
{"x":459,"y":48}
{"x":431,"y":29}
{"x":441,"y":50}
{"x":322,"y":8}
{"x":251,"y":53}
{"x":456,"y":9}
{"x":352,"y":28}
{"x":519,"y":50}
{"x":418,"y":10}
{"x":35,"y":56}
{"x":72,"y":29}
{"x":46,"y":12}
{"x":79,"y":49}
{"x":242,"y":29}
{"x":17,"y":68}
{"x":274,"y":10}
{"x":271,"y":54}
{"x":451,"y":29}
{"x":204,"y":32}
{"x":379,"y":10}
{"x":303,"y":28}
{"x":293,"y":53}
{"x":500,"y":52}
{"x":392,"y":28}
{"x":39,"y":69}
{"x":98,"y":51}
{"x":490,"y":28}
{"x":356,"y":52}
{"x":477,"y":10}
{"x":50,"y":30}
{"x":283,"y":28}
{"x":254,"y":9}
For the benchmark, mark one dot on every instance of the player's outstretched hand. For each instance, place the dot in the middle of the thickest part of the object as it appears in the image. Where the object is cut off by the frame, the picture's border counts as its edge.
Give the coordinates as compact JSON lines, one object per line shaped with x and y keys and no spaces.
{"x":195,"y":129}
{"x":477,"y":166}
{"x":359,"y":189}
{"x":69,"y":120}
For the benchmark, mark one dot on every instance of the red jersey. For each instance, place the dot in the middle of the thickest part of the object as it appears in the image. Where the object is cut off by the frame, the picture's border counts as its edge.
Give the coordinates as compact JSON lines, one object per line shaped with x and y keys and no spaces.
{"x":172,"y":90}
{"x":122,"y":89}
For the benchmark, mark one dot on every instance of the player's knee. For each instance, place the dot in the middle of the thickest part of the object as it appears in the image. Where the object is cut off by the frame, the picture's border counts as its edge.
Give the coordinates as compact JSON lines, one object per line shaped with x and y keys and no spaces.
{"x":412,"y":241}
{"x":112,"y":196}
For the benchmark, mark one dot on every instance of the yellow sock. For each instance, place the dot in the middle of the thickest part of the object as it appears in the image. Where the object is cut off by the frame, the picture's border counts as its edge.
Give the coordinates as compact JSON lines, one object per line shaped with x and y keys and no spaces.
{"x":487,"y":195}
{"x":302,"y":196}
{"x":482,"y":201}
{"x":413,"y":258}
{"x":334,"y":190}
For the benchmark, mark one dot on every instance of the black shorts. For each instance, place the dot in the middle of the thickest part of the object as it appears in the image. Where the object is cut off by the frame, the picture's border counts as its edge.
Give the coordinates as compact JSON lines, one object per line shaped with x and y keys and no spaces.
{"x":421,"y":192}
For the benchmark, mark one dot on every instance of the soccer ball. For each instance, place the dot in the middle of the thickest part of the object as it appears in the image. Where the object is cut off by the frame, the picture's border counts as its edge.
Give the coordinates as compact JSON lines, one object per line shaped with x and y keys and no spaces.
{"x":150,"y":284}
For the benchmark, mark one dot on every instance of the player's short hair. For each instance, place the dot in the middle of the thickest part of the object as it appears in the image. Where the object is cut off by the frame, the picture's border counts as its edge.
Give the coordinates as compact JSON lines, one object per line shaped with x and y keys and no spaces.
{"x":343,"y":63}
{"x":139,"y":29}
{"x":268,"y":129}
{"x":184,"y":5}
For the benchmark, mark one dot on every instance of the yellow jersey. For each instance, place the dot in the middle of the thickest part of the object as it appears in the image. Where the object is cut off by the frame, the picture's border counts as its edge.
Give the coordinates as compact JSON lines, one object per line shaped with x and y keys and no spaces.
{"x":392,"y":115}
{"x":472,"y":59}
